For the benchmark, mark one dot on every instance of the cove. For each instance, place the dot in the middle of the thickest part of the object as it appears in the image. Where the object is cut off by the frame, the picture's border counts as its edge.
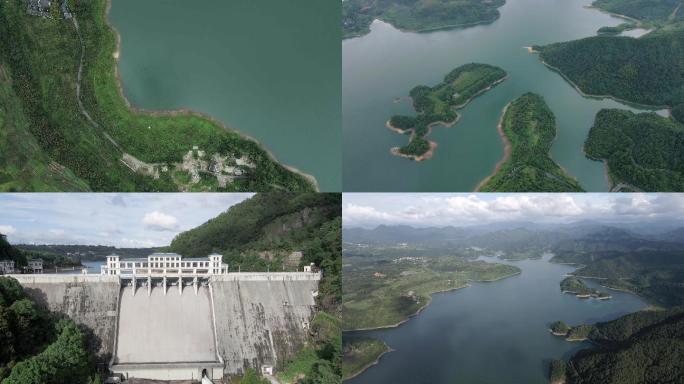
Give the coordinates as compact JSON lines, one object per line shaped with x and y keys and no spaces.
{"x":269,"y":69}
{"x":384,"y":65}
{"x":491,"y":333}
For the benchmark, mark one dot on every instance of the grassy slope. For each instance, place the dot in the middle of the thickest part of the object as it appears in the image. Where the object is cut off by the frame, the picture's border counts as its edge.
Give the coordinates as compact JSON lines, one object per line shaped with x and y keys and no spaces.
{"x":643,"y":150}
{"x":530,"y":128}
{"x":358,"y":354}
{"x":420,"y":15}
{"x":23,"y":164}
{"x":439,"y":102}
{"x":373,"y":302}
{"x":44,"y":56}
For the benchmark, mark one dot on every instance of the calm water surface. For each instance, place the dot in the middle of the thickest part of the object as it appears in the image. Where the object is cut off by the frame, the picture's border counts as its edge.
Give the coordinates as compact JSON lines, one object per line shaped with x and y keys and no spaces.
{"x":270,"y":69}
{"x":387,"y":63}
{"x":490,"y":333}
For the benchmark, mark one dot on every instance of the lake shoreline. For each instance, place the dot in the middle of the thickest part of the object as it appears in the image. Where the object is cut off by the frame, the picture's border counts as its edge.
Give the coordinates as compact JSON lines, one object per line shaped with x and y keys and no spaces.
{"x":429,"y":300}
{"x":507,"y":149}
{"x":187,"y":112}
{"x":363,"y":369}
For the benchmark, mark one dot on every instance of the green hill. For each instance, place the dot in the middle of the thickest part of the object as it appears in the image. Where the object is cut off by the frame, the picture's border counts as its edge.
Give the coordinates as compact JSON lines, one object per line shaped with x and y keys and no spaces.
{"x":416,"y":15}
{"x":646,"y":347}
{"x":66,"y":103}
{"x":530,"y":128}
{"x":642,"y":151}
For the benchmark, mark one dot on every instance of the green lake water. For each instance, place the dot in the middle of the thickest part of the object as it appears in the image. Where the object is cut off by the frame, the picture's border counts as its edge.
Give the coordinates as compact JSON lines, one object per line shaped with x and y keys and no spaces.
{"x":384,"y":65}
{"x":270,"y":69}
{"x":491,"y":333}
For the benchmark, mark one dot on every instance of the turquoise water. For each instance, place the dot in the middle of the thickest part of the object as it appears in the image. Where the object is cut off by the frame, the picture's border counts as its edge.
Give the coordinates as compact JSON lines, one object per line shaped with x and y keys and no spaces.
{"x":270,"y":69}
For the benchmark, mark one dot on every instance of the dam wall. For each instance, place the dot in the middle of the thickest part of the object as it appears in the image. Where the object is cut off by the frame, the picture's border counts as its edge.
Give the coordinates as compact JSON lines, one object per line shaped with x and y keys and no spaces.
{"x":89,"y":300}
{"x":224,"y":325}
{"x":262,"y":319}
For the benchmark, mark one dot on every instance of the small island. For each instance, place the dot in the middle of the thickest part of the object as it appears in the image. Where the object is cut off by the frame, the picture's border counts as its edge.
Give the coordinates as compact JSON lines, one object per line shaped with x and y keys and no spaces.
{"x":528,"y":128}
{"x":361,"y":354}
{"x":437,"y":106}
{"x":577,"y":287}
{"x":559,"y":328}
{"x":578,"y":333}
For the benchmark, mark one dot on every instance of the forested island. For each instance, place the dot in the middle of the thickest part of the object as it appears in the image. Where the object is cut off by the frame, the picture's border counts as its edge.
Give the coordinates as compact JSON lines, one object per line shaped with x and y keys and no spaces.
{"x":577,"y":287}
{"x":416,"y":15}
{"x":437,"y":105}
{"x":65,"y":125}
{"x":360,"y":354}
{"x":643,"y":152}
{"x":642,"y":347}
{"x":528,"y":129}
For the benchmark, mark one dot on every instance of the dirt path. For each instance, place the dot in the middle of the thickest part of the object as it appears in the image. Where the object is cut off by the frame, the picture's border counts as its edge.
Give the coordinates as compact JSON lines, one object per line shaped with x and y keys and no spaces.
{"x":507,"y":149}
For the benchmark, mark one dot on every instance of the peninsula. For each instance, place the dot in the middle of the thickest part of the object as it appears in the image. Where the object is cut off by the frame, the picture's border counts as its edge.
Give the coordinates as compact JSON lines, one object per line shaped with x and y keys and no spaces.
{"x":437,"y":106}
{"x":421,"y":15}
{"x":575,"y":286}
{"x":528,"y":129}
{"x":69,"y":127}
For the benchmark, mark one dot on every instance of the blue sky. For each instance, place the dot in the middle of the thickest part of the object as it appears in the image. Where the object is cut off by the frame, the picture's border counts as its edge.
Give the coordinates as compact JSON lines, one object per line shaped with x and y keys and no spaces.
{"x":123,"y":220}
{"x":458,"y":209}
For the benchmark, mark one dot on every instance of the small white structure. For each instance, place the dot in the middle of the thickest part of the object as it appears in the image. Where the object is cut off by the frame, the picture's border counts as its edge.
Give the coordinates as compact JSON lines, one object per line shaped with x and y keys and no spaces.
{"x":6,"y":267}
{"x":310,"y":267}
{"x":35,"y":266}
{"x":267,"y":370}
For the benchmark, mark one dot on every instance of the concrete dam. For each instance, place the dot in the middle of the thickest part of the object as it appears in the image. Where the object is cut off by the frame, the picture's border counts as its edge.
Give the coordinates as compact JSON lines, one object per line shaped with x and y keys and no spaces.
{"x":171,"y":330}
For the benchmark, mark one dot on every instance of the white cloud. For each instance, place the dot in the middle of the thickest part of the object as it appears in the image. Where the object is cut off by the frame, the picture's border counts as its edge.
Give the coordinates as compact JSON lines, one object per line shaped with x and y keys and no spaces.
{"x":369,"y":210}
{"x":158,"y":221}
{"x":7,"y":229}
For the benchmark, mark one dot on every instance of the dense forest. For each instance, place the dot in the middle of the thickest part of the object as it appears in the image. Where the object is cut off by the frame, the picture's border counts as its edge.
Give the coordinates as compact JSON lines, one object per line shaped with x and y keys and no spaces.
{"x":438,"y":104}
{"x":647,"y":70}
{"x":38,"y":347}
{"x":644,"y":10}
{"x":261,"y":233}
{"x":645,"y":347}
{"x":416,"y":15}
{"x":530,"y":127}
{"x":643,"y":150}
{"x":68,"y":150}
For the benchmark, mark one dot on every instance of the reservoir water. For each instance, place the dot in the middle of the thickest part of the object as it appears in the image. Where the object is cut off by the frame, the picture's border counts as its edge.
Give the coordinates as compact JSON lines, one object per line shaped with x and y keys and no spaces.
{"x":491,"y":333}
{"x":269,"y":69}
{"x":384,"y":65}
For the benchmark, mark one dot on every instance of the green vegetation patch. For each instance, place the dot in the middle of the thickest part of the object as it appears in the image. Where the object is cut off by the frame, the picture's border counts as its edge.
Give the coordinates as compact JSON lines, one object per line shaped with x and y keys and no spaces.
{"x":438,"y":105}
{"x":385,"y":293}
{"x":359,"y":354}
{"x":648,"y":70}
{"x":559,"y":328}
{"x":644,"y":10}
{"x":530,"y":128}
{"x":43,"y":56}
{"x":643,"y":151}
{"x":416,"y":15}
{"x":643,"y":347}
{"x":35,"y":347}
{"x":577,"y":287}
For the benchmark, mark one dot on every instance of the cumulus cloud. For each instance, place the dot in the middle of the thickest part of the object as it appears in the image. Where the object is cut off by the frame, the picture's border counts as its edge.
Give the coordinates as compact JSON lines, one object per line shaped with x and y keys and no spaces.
{"x":369,"y":210}
{"x":7,"y":230}
{"x":159,"y":221}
